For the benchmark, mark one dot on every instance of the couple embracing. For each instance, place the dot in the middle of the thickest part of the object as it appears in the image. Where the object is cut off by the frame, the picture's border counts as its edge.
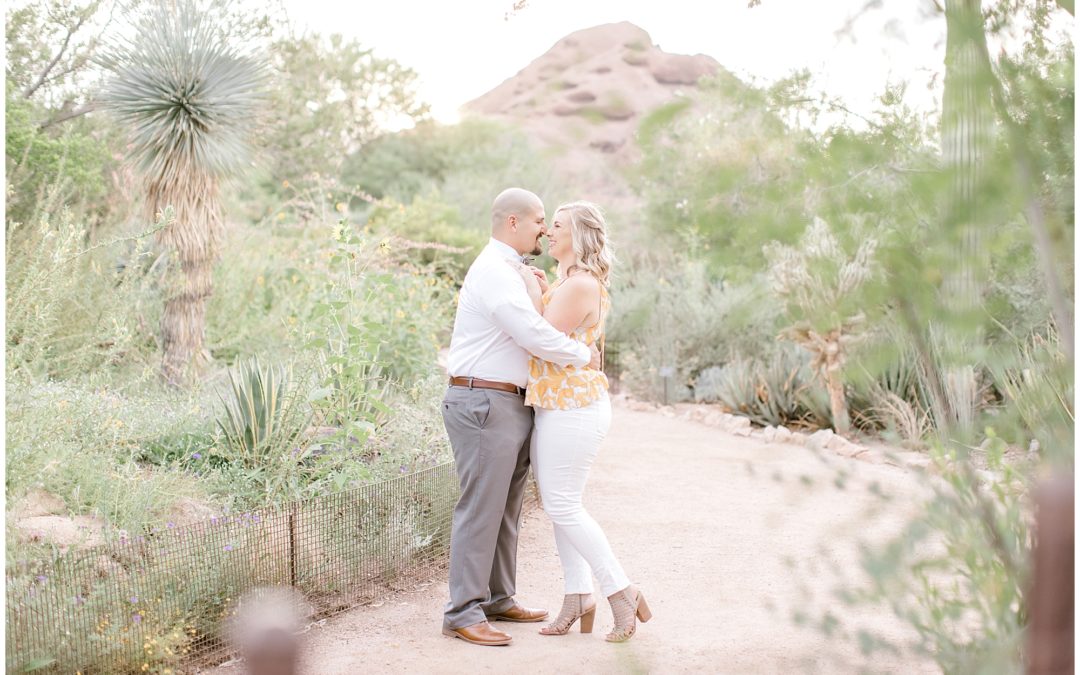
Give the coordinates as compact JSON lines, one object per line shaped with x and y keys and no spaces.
{"x":526,"y":388}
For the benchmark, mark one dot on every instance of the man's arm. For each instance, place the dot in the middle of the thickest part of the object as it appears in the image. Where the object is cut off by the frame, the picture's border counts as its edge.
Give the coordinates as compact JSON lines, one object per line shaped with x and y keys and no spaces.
{"x":514,"y":314}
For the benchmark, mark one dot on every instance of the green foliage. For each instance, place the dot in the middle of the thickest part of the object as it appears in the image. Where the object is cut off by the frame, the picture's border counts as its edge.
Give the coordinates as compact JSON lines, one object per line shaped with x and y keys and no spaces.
{"x":82,"y":442}
{"x":70,"y":311}
{"x":329,"y":98}
{"x":51,"y":169}
{"x":1038,"y":395}
{"x":255,"y":424}
{"x":429,"y":232}
{"x":730,"y":172}
{"x":956,"y":574}
{"x":467,"y":163}
{"x":358,"y":357}
{"x":769,"y":391}
{"x":49,"y":46}
{"x":669,"y":312}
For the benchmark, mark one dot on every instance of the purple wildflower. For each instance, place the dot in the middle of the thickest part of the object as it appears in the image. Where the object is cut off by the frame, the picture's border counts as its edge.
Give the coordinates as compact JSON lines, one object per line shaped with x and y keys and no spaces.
{"x":170,"y":525}
{"x":42,"y":578}
{"x":137,"y":618}
{"x":80,"y":600}
{"x":133,"y":599}
{"x":228,"y":547}
{"x":196,"y":455}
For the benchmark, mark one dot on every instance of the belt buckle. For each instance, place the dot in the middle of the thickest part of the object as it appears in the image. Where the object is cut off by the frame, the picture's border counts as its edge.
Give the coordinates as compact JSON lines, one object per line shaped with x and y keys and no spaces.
{"x":471,"y":382}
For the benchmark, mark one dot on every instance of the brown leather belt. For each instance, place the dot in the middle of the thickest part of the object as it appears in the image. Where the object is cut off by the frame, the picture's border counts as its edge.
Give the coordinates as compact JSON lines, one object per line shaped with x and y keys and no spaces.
{"x":477,"y":383}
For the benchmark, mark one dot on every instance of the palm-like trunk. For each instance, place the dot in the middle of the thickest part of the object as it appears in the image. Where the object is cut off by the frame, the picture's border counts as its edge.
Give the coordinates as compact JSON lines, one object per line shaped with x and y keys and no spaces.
{"x":194,"y":236}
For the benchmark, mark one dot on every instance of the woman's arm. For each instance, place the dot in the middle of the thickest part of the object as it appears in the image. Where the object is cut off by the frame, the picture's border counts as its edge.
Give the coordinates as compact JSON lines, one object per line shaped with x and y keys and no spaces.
{"x":573,"y":302}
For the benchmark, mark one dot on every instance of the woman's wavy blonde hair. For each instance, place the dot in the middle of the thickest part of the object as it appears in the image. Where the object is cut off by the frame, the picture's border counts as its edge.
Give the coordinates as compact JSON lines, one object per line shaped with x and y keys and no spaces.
{"x":592,"y":251}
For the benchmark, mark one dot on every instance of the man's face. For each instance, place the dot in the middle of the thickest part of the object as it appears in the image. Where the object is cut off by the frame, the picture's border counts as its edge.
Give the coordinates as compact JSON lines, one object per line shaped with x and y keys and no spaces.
{"x":530,"y":228}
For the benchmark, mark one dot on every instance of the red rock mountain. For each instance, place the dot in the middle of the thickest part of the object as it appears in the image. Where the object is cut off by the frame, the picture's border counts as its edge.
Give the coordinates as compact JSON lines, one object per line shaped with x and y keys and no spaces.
{"x":585,"y":97}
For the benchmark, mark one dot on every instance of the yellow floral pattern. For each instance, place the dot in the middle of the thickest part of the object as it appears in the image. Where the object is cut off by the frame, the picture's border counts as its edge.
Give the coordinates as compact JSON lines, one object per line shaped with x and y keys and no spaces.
{"x":555,"y":387}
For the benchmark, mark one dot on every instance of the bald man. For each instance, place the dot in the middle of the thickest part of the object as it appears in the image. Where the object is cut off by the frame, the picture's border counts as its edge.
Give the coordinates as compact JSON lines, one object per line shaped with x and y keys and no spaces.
{"x":489,"y":425}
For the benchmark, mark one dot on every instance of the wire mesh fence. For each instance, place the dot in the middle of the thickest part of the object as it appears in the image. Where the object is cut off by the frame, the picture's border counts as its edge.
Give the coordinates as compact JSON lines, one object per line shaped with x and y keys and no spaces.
{"x":159,"y":600}
{"x":612,"y":366}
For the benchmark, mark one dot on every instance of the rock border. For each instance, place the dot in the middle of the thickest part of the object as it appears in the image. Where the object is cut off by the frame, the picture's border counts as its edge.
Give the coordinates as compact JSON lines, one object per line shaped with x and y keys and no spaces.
{"x":823,"y":439}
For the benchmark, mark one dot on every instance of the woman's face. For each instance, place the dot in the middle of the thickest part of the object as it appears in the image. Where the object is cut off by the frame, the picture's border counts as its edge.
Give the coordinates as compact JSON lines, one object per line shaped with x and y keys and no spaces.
{"x":560,"y":241}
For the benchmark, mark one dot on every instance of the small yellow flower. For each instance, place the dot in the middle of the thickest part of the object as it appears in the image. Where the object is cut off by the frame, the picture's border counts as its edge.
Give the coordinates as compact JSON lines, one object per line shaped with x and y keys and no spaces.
{"x":145,"y":667}
{"x":260,"y":280}
{"x":285,"y":183}
{"x":292,"y":320}
{"x":340,"y":206}
{"x":281,"y":216}
{"x":400,"y":314}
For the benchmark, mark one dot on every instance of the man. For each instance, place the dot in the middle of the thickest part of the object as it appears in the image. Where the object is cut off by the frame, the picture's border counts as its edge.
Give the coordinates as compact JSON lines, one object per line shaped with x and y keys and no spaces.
{"x":489,"y":425}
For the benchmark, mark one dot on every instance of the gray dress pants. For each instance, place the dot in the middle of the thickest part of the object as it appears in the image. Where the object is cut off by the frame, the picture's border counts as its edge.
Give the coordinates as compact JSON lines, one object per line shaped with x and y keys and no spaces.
{"x":489,"y":431}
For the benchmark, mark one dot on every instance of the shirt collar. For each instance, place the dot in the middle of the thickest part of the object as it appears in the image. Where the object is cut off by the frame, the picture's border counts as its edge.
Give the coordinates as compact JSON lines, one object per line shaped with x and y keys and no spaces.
{"x":503,"y":249}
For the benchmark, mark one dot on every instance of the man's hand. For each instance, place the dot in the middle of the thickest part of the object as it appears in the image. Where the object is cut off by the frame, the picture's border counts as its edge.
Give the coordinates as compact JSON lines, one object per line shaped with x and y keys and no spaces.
{"x":594,"y":363}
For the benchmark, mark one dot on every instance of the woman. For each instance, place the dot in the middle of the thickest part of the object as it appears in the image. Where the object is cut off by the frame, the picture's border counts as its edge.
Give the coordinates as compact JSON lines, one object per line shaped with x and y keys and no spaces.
{"x":573,"y":414}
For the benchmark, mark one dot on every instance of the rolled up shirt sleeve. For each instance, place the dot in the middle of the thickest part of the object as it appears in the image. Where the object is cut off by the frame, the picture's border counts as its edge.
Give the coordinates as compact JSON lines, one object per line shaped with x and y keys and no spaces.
{"x":513,"y":313}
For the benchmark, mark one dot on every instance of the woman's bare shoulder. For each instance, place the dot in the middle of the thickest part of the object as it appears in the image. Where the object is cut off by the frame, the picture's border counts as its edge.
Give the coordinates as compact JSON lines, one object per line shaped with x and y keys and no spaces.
{"x":581,"y":285}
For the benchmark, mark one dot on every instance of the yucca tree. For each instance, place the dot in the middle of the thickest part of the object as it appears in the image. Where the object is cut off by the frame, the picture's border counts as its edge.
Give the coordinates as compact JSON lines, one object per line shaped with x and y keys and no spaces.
{"x":188,"y":98}
{"x":819,"y":283}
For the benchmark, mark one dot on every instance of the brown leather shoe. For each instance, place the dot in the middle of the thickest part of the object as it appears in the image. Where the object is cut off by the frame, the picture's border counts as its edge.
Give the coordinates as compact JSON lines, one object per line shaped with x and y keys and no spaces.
{"x":519,"y":614}
{"x":479,"y":634}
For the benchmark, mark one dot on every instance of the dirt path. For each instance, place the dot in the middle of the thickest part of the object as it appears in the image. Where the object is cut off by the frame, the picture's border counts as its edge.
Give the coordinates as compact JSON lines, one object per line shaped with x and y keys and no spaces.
{"x":728,"y":537}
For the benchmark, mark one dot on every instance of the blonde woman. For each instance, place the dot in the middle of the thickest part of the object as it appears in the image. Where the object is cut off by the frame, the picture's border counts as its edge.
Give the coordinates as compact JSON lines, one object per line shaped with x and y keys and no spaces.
{"x":572,"y":416}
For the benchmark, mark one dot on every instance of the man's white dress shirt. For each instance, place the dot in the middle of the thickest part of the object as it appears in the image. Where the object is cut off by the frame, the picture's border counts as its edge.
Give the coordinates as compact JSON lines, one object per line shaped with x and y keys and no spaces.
{"x":497,"y":327}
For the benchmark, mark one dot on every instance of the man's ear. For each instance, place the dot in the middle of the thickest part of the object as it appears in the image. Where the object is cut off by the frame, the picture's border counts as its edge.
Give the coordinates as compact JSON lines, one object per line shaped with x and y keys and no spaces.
{"x":513,"y":222}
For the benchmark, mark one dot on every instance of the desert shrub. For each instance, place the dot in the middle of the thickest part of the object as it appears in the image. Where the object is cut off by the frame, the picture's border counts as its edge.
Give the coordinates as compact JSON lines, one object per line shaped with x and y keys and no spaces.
{"x":73,"y":308}
{"x":430,"y":233}
{"x":769,"y":391}
{"x":63,"y":167}
{"x":82,"y":443}
{"x":672,"y":313}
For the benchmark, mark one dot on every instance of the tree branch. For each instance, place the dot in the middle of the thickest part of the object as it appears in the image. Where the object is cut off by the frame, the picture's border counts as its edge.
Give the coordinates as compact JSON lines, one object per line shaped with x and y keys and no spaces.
{"x":29,"y":91}
{"x":89,"y":106}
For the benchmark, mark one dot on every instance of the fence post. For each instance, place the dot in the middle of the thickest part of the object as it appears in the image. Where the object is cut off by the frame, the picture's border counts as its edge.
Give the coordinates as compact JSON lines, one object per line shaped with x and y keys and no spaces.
{"x":292,"y":547}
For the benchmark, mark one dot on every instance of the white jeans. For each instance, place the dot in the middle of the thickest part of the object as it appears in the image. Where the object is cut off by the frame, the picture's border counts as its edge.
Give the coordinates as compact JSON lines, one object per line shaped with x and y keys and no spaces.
{"x":564,"y":446}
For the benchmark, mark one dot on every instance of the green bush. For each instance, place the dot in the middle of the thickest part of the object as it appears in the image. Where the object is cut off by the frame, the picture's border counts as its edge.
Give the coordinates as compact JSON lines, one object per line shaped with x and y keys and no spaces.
{"x":55,"y":169}
{"x":670,"y":312}
{"x":430,"y":233}
{"x":71,"y":308}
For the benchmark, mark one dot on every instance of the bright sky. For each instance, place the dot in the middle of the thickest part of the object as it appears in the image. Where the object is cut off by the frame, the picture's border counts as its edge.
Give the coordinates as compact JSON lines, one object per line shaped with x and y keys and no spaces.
{"x":464,"y":49}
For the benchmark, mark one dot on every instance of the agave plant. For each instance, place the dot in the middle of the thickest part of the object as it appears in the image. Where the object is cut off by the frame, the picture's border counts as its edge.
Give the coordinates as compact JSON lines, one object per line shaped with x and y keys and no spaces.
{"x":187,"y":97}
{"x":256,"y":413}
